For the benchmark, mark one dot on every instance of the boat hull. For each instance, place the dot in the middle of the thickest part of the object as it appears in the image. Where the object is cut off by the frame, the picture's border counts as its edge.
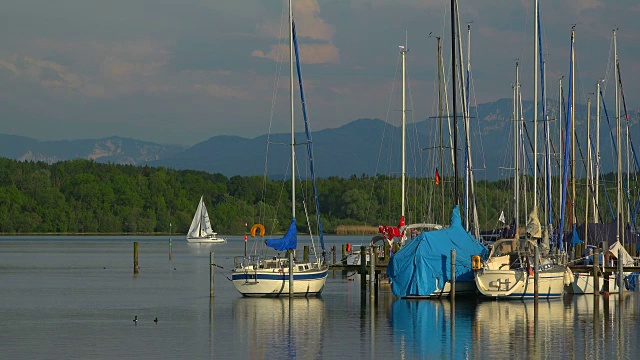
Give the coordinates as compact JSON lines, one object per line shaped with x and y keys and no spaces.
{"x":583,"y":283}
{"x":519,"y":284}
{"x":206,"y":240}
{"x":463,"y":288}
{"x":275,"y":282}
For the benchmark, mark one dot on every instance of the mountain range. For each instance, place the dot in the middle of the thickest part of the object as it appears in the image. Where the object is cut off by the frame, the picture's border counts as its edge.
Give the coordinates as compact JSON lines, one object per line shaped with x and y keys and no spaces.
{"x":364,"y":146}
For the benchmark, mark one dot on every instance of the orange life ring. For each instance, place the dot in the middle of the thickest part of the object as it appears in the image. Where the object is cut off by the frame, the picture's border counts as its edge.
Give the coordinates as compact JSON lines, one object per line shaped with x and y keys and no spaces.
{"x":348,"y":247}
{"x":255,"y":227}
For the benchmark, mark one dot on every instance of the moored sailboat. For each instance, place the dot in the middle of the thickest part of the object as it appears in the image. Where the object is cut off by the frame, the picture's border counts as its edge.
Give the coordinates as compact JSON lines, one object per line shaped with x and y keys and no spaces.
{"x":262,"y":276}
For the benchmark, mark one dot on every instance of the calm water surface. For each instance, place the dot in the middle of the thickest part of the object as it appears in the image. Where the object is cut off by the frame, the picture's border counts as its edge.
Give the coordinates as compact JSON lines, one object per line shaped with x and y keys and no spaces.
{"x":76,"y":297}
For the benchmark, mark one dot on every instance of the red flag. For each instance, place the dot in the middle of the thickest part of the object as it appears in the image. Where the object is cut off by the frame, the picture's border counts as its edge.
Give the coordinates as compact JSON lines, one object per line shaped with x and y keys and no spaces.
{"x":437,"y":177}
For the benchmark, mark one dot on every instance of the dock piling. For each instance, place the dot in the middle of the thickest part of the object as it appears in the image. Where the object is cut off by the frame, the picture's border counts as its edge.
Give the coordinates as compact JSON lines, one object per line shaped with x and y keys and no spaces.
{"x":452,"y":292}
{"x":536,"y":262}
{"x":211,"y":272}
{"x":136,"y":267}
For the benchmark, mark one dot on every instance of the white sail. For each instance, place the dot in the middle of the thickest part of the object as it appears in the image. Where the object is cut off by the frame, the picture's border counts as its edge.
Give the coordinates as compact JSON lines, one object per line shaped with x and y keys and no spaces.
{"x":200,"y":229}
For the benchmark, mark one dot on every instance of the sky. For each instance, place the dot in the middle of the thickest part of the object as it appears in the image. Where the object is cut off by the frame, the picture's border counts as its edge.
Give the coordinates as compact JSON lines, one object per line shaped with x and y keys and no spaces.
{"x":181,"y":72}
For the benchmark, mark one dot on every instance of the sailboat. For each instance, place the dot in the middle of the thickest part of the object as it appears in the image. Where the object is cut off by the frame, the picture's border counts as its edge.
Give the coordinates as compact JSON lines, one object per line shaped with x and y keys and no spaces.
{"x":509,"y":272}
{"x":200,"y":230}
{"x":421,"y":268}
{"x":258,"y":276}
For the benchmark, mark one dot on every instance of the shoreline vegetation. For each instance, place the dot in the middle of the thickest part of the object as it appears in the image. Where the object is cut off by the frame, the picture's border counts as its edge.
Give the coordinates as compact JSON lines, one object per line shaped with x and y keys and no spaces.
{"x":85,"y":197}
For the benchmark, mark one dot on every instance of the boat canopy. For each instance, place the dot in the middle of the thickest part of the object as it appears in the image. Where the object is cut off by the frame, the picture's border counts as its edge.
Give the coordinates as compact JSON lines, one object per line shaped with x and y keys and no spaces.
{"x":424,"y":262}
{"x":288,"y":242}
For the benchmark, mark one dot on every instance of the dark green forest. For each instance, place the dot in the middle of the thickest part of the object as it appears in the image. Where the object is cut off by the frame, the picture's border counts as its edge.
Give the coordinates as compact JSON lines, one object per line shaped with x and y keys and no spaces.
{"x":84,"y":196}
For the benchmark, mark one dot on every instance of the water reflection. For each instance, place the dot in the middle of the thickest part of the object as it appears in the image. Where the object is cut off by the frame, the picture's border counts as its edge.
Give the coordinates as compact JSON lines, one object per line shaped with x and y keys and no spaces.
{"x":280,"y":328}
{"x":429,"y":329}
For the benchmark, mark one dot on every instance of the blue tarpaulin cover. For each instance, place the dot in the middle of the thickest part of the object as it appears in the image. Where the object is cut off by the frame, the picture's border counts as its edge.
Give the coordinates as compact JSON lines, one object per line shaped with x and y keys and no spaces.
{"x":413,"y":270}
{"x":288,"y":242}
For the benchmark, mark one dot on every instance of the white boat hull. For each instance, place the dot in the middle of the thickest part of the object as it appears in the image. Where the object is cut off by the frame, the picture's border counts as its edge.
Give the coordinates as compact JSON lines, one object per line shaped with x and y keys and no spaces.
{"x":275,"y":282}
{"x":519,"y":284}
{"x":583,"y":283}
{"x":207,"y":240}
{"x":463,"y":288}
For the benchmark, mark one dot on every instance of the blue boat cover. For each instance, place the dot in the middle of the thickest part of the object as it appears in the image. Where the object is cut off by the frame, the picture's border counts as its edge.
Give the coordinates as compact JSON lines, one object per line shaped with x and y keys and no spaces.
{"x":413,"y":270}
{"x":288,"y":242}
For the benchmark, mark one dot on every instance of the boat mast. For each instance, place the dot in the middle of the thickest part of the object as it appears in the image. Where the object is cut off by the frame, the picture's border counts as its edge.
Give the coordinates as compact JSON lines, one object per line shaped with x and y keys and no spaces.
{"x":403,"y":53}
{"x":535,"y":108}
{"x":440,"y":118}
{"x":454,"y":99}
{"x":293,"y":145}
{"x":573,"y":131}
{"x":596,"y":214}
{"x":586,"y":200}
{"x":516,"y":138}
{"x":619,"y":220}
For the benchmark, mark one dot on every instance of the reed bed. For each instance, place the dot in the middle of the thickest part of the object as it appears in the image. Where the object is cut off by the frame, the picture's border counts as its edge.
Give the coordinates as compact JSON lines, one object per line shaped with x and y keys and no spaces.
{"x":356,"y":230}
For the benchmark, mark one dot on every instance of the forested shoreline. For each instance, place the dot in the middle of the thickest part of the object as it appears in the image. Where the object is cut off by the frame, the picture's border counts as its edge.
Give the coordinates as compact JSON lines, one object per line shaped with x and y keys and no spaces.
{"x":87,"y":197}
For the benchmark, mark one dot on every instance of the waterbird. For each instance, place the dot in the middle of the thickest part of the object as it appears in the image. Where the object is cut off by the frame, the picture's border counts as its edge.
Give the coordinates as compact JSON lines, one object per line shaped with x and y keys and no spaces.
{"x":155,"y":320}
{"x":135,"y":319}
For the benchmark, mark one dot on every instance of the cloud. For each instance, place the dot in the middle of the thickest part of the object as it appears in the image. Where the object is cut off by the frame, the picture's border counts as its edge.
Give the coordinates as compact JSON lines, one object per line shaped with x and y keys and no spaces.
{"x":309,"y":25}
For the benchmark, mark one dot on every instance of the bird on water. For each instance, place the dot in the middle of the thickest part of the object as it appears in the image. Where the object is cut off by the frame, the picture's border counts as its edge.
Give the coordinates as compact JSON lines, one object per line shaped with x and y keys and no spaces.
{"x":135,"y":319}
{"x":155,"y":320}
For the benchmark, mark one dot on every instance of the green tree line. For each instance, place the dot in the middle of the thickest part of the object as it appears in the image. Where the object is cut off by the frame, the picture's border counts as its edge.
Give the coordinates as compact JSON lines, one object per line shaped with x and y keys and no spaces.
{"x":83,"y":196}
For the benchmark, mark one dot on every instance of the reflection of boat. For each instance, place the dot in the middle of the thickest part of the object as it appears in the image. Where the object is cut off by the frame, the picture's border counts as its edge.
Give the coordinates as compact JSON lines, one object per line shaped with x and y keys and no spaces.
{"x":428,"y":330}
{"x":508,"y":273}
{"x":280,"y":328}
{"x":200,"y":230}
{"x":255,"y":275}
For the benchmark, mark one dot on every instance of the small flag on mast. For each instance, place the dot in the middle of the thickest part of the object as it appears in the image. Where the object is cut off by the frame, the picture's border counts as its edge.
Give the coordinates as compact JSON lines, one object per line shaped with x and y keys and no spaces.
{"x":437,"y":177}
{"x":501,"y":219}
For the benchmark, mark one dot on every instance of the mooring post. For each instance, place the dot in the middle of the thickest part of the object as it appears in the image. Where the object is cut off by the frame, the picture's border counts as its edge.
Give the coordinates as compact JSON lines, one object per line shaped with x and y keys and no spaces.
{"x":333,"y":250}
{"x":136,"y":267}
{"x":536,"y":262}
{"x":387,"y":250}
{"x":596,"y":272}
{"x":305,"y":253}
{"x":290,"y":273}
{"x":372,"y":272}
{"x":170,"y":242}
{"x":363,"y":269}
{"x":452,"y":292}
{"x":620,"y":275}
{"x":211,"y":272}
{"x":605,"y":275}
{"x":375,"y":272}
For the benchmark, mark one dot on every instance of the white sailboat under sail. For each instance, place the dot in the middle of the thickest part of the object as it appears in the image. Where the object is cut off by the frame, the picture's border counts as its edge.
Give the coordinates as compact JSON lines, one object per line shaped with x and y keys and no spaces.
{"x":200,"y":230}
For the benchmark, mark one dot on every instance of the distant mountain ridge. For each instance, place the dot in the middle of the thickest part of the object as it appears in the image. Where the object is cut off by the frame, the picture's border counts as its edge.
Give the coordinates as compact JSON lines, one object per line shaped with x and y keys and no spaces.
{"x":363,"y":146}
{"x":113,"y":149}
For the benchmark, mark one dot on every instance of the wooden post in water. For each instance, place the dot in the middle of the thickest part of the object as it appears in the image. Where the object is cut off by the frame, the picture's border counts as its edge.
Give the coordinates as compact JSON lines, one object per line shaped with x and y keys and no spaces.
{"x":305,"y":253}
{"x":596,"y":272}
{"x":363,"y":270}
{"x":372,"y":273}
{"x":452,"y":292}
{"x":376,"y":273}
{"x":170,"y":242}
{"x":136,"y":267}
{"x":605,"y":275}
{"x":333,"y":250}
{"x":344,"y":258}
{"x":536,"y":262}
{"x":290,"y":274}
{"x":211,"y":265}
{"x":620,"y":275}
{"x":387,"y":250}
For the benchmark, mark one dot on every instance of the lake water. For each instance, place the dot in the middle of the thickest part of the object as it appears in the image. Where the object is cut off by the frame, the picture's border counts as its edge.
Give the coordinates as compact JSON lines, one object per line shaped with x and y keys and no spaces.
{"x":76,"y":298}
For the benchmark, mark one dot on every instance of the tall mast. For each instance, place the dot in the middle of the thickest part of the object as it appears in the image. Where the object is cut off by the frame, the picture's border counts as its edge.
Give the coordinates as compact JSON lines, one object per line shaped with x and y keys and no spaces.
{"x":454,"y":100}
{"x":403,"y":52}
{"x":293,"y":144}
{"x":586,"y":200}
{"x":573,"y":131}
{"x":619,"y":220}
{"x":516,"y":140}
{"x":440,"y":118}
{"x":535,"y":108}
{"x":596,"y":215}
